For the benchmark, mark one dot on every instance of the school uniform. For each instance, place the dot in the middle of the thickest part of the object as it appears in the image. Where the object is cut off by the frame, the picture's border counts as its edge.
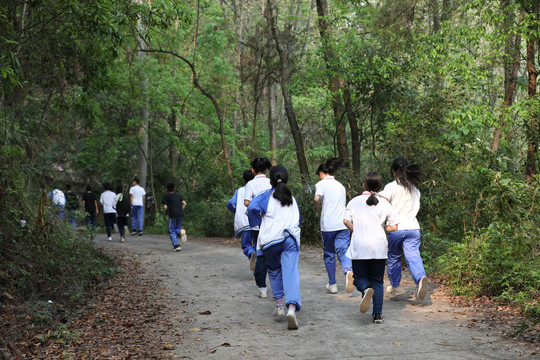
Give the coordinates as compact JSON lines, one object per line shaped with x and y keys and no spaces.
{"x":406,"y":240}
{"x":369,"y":246}
{"x":335,"y":235}
{"x":241,"y":222}
{"x":254,"y":187}
{"x":108,"y":200}
{"x":279,"y":239}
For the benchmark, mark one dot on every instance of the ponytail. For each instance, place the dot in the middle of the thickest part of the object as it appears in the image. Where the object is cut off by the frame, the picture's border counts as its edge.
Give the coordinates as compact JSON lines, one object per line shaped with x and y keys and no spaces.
{"x":373,"y":183}
{"x":407,"y":175}
{"x":279,"y":177}
{"x":331,"y":166}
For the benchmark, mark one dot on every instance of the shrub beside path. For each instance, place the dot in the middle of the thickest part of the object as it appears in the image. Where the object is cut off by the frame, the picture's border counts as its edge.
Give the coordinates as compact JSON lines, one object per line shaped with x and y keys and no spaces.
{"x":216,"y":314}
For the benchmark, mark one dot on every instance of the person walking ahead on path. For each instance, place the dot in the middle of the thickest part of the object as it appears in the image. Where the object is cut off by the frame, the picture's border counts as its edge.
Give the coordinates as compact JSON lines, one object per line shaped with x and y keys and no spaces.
{"x":276,"y":212}
{"x":89,"y":204}
{"x":137,"y":193}
{"x":330,"y":200}
{"x":404,"y":196}
{"x":72,"y":205}
{"x":108,"y":200}
{"x":368,"y":216}
{"x":175,"y":205}
{"x":260,"y":183}
{"x":241,"y":222}
{"x":122,"y":211}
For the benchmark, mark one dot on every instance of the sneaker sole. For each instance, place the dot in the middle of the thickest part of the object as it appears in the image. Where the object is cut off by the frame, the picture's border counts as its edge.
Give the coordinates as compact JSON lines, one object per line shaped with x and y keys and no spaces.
{"x":422,"y":287}
{"x":366,"y":300}
{"x":279,"y":312}
{"x":292,"y":323}
{"x":380,"y":321}
{"x":349,"y":286}
{"x":328,"y":289}
{"x":252,"y":261}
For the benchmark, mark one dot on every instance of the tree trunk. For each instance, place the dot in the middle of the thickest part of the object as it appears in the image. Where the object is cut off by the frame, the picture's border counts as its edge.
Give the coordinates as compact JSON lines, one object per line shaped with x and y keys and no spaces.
{"x":333,"y":83}
{"x":272,"y":120}
{"x":142,"y":163}
{"x":285,"y":73}
{"x":510,"y":80}
{"x":532,"y":123}
{"x":355,"y":132}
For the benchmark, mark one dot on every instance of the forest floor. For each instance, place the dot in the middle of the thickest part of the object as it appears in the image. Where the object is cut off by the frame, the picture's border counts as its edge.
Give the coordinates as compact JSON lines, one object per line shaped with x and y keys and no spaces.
{"x":201,"y":303}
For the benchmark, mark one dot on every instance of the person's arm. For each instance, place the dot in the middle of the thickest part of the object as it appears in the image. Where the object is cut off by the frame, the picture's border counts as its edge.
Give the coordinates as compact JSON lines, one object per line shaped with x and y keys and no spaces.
{"x":390,"y":228}
{"x":97,"y":209}
{"x":246,"y":203}
{"x":317,"y":200}
{"x":348,"y":224}
{"x":231,"y":204}
{"x":184,"y":204}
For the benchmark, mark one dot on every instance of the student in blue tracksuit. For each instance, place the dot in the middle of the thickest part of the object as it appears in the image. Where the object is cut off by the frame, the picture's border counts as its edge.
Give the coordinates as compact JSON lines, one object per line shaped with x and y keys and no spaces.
{"x":330,"y":200}
{"x":260,"y":183}
{"x":241,"y":222}
{"x":276,"y":212}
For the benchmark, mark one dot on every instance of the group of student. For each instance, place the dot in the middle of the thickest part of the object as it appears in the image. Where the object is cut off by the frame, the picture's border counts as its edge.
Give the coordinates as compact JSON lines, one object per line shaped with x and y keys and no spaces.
{"x":373,"y":230}
{"x":116,"y":207}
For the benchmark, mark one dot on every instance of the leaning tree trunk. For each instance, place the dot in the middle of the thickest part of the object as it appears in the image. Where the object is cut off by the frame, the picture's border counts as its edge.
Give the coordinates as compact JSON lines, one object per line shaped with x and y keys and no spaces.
{"x":532,"y":123}
{"x":285,"y":72}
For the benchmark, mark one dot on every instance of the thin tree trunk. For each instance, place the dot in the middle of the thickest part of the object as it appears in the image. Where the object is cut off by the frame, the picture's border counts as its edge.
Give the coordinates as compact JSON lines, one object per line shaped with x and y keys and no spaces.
{"x":272,"y":120}
{"x":287,"y":97}
{"x":355,"y":133}
{"x":510,"y":84}
{"x":334,"y":82}
{"x":142,"y":164}
{"x":532,"y":123}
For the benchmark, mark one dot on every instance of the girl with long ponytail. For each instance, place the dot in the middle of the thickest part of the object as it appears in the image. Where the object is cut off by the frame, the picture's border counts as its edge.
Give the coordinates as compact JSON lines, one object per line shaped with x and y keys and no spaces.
{"x":276,"y":212}
{"x":368,"y":217}
{"x":404,"y":196}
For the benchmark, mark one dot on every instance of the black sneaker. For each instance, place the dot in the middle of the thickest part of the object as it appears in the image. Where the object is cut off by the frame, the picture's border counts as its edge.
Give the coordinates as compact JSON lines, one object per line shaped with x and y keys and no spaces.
{"x":378,"y":319}
{"x":140,"y":233}
{"x":177,"y":248}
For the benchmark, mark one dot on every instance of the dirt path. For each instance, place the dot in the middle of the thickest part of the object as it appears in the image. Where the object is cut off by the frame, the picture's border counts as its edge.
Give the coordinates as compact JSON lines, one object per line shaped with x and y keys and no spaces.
{"x":217,"y":313}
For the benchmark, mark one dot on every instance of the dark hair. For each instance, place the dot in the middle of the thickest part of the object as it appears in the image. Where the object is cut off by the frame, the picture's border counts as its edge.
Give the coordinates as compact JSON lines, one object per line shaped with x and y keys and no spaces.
{"x":119,"y":189}
{"x":248,"y":175}
{"x":373,"y":183}
{"x":170,"y":187}
{"x":260,"y":165}
{"x":407,"y":175}
{"x":88,"y":188}
{"x":331,"y":166}
{"x":68,"y":187}
{"x":279,"y":176}
{"x":136,"y":179}
{"x":107,"y":186}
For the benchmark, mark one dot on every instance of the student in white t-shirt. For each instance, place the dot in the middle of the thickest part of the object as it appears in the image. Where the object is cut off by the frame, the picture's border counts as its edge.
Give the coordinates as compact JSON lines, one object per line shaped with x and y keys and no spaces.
{"x":404,"y":196}
{"x":108,"y":199}
{"x":330,"y":200}
{"x":368,"y":217}
{"x":137,"y":193}
{"x":254,"y":187}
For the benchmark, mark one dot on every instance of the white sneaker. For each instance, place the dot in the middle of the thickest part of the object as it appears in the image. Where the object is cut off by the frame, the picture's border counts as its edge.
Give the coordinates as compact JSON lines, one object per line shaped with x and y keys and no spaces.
{"x":292,"y":323}
{"x":263,"y":293}
{"x":332,"y":289}
{"x":109,"y":238}
{"x":391,"y":289}
{"x":279,"y":311}
{"x":183,"y":236}
{"x":366,"y":300}
{"x":422,"y":288}
{"x":252,"y":261}
{"x":349,"y":286}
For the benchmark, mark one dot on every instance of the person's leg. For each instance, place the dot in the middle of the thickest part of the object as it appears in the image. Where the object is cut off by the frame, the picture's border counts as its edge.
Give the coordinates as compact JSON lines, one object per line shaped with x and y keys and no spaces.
{"x":395,"y":243}
{"x":361,"y":274}
{"x":376,"y":279}
{"x":93,"y":216}
{"x":140,"y":218}
{"x":260,"y":266}
{"x":341,"y":242}
{"x":329,"y":255}
{"x":291,"y":277}
{"x":121,"y":220}
{"x":411,"y":250}
{"x":86,"y":218}
{"x":172,"y":232}
{"x":108,"y":223}
{"x":134,"y":214}
{"x":178,"y":227}
{"x":273,"y":260}
{"x":246,"y":242}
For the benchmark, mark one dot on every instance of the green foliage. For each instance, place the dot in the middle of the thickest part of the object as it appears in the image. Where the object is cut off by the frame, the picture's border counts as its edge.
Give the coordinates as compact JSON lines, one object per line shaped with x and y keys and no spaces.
{"x":499,"y":258}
